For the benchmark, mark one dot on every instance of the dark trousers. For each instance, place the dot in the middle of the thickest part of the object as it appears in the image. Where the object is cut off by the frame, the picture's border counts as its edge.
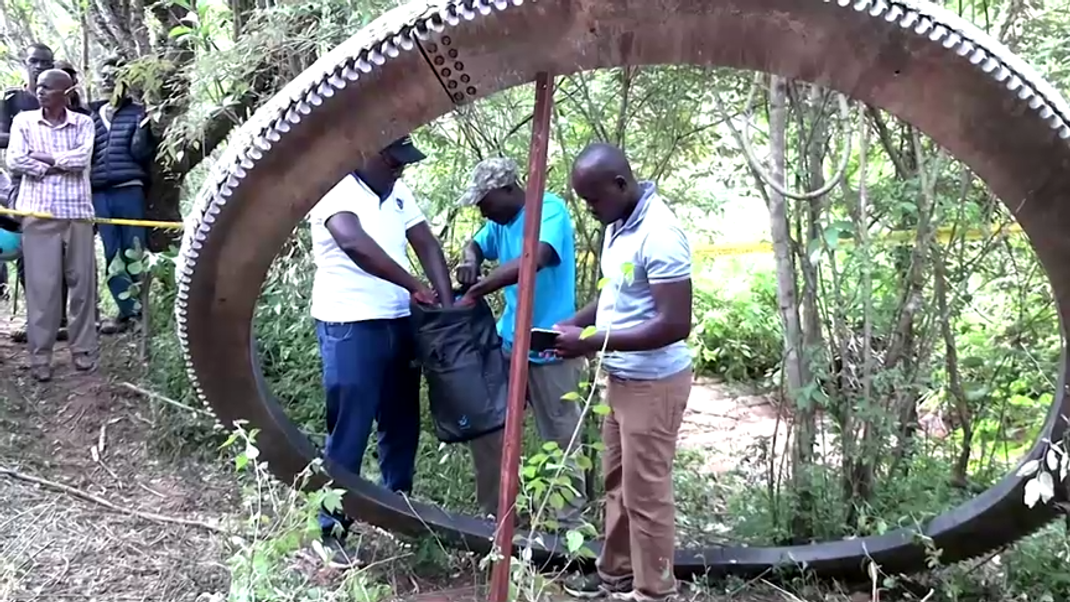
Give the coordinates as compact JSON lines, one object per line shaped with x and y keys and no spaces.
{"x":20,"y":269}
{"x":369,"y":376}
{"x":127,"y":202}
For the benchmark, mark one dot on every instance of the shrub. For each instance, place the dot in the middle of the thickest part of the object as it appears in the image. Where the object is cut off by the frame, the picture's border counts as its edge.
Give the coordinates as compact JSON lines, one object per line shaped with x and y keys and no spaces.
{"x":737,"y":333}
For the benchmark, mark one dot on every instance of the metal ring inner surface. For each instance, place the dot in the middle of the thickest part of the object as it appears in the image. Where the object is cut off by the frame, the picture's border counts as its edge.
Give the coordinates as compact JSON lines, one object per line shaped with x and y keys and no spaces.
{"x":418,"y":61}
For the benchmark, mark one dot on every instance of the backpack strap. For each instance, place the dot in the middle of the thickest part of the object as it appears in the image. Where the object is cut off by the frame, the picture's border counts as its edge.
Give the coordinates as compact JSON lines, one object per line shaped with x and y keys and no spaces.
{"x":8,"y":114}
{"x":10,"y":99}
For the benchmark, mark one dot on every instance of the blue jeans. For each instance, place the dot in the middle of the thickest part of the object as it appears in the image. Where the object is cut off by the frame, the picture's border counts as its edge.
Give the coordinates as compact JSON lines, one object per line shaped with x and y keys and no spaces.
{"x":369,"y":375}
{"x":127,"y":202}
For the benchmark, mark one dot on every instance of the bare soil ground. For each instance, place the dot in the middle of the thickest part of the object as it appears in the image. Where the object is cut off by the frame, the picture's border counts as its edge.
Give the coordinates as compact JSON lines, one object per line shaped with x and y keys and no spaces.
{"x":757,"y":593}
{"x":723,"y":420}
{"x":85,"y":431}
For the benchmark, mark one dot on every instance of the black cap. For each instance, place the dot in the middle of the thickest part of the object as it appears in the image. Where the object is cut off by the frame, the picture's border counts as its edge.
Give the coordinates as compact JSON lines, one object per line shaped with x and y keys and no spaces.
{"x":404,"y":151}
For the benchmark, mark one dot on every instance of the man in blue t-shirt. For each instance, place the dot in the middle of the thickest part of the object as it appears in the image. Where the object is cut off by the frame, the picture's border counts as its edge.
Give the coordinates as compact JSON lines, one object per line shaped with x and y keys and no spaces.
{"x":500,"y":199}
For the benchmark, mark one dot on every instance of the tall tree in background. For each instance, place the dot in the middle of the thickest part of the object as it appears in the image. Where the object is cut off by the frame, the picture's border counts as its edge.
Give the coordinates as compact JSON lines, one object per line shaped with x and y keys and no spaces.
{"x":160,"y":43}
{"x":167,"y":47}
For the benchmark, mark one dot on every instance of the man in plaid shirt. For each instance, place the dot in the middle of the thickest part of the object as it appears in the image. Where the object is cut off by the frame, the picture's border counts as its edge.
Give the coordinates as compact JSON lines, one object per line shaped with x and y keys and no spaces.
{"x":39,"y":58}
{"x":51,"y":148}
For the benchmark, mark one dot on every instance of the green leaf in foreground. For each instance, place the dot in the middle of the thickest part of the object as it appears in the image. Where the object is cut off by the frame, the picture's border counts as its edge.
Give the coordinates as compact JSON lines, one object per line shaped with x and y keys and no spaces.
{"x":573,"y":540}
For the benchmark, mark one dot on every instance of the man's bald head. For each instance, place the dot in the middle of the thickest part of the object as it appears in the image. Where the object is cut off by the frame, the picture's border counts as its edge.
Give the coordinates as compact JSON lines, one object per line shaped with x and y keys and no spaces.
{"x":603,"y":157}
{"x":53,"y":85}
{"x":59,"y":76}
{"x":602,"y":176}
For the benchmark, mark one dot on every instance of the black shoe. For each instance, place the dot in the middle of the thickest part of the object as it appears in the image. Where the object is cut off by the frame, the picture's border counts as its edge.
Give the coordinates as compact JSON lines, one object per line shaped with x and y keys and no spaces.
{"x":19,"y":336}
{"x":41,"y":374}
{"x":119,"y":325}
{"x":591,"y":585}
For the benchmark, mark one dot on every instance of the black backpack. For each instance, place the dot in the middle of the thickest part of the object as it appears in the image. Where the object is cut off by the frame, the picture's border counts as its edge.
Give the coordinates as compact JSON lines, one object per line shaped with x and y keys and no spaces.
{"x":461,"y":355}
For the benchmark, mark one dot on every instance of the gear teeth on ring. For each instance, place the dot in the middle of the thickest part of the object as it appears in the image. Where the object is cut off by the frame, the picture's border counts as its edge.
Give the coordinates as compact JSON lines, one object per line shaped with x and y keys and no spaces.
{"x":377,"y":44}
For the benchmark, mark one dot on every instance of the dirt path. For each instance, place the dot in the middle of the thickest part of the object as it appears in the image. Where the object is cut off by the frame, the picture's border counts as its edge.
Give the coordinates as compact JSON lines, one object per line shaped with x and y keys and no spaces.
{"x":56,"y":547}
{"x":722,"y":421}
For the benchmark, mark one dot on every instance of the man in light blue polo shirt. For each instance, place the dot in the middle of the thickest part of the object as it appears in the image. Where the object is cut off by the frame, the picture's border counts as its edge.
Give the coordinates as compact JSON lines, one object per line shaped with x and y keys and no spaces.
{"x":642,"y":319}
{"x":496,"y":192}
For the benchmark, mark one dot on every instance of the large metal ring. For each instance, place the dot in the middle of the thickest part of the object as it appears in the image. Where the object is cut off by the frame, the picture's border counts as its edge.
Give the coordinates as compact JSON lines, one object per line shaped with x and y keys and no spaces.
{"x":912,"y":58}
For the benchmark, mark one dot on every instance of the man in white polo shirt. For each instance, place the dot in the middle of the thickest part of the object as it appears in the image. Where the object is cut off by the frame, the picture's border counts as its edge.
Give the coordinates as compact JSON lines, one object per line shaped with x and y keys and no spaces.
{"x":642,"y":319}
{"x":361,"y":296}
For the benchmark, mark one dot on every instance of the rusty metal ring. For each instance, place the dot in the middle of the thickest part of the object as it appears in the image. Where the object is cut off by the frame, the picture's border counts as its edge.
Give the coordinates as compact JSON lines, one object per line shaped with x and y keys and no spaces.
{"x":912,"y":58}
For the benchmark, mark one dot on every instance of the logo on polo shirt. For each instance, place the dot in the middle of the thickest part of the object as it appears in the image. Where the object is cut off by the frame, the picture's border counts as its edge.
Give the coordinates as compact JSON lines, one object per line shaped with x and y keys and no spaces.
{"x":401,"y":203}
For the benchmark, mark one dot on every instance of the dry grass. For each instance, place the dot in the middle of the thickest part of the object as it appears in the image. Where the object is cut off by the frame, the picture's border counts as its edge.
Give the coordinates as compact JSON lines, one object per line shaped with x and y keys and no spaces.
{"x":91,"y":433}
{"x":84,"y":432}
{"x":56,"y":549}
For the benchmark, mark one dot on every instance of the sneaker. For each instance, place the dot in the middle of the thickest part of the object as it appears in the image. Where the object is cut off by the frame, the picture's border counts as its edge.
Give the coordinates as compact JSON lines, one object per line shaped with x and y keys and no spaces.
{"x":589,"y":586}
{"x":634,"y":596}
{"x":83,"y":363}
{"x":341,"y":554}
{"x":41,"y":374}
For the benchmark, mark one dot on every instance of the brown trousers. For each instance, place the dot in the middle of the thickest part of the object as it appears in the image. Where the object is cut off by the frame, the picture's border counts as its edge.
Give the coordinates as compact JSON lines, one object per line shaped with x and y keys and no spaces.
{"x":640,"y":439}
{"x":54,"y":249}
{"x":555,"y":420}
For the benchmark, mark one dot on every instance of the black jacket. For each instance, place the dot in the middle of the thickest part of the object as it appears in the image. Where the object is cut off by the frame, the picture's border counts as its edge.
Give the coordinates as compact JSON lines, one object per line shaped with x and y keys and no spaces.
{"x":125,"y":152}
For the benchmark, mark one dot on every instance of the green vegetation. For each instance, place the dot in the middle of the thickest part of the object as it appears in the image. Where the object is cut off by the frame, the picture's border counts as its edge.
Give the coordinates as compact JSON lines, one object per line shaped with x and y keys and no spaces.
{"x":914,"y":371}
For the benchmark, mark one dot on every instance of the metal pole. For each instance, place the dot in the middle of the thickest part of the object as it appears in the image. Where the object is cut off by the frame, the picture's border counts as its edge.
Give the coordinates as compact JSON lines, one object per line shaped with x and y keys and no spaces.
{"x":518,"y":366}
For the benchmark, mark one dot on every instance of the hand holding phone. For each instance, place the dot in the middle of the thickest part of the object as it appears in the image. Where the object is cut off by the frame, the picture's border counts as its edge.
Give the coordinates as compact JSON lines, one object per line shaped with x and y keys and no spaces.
{"x":543,"y":340}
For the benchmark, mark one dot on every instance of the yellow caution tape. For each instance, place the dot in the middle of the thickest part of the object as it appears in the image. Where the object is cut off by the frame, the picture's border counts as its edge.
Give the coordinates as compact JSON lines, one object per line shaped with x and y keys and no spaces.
{"x":710,"y":250}
{"x":900,"y":236}
{"x":99,"y":220}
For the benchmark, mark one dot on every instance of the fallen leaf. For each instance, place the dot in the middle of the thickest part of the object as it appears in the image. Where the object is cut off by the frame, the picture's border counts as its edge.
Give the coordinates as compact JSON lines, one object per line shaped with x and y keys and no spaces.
{"x":1047,"y":487}
{"x":1029,"y":468}
{"x":1032,"y":492}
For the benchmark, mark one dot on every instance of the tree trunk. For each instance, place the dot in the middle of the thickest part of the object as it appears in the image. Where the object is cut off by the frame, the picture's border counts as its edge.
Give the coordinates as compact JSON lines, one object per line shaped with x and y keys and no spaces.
{"x":951,"y":364}
{"x":796,"y":368}
{"x":813,"y":342}
{"x":857,"y":467}
{"x":901,"y":350}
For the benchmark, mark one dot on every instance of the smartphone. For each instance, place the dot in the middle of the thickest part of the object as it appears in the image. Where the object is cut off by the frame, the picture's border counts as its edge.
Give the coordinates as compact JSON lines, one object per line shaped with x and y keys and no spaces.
{"x":543,"y":340}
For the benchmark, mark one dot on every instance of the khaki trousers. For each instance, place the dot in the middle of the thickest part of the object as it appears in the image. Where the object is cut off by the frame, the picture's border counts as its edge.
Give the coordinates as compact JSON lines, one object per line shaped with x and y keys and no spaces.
{"x":52,"y":249}
{"x":555,"y":420}
{"x":640,"y":439}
